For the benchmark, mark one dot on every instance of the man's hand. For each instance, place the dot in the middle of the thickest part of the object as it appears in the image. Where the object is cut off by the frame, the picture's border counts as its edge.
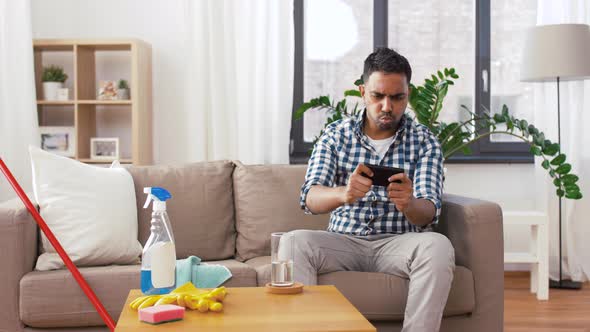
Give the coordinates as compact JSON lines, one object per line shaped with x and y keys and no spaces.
{"x":358,"y":185}
{"x":400,"y":194}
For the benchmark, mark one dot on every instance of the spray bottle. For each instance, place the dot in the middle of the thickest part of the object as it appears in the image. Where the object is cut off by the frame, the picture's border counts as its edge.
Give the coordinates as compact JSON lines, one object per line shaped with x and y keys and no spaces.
{"x":158,"y":263}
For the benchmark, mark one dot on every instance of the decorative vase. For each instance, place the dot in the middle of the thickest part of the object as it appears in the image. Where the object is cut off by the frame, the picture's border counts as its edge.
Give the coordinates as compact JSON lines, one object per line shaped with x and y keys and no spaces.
{"x":50,"y":90}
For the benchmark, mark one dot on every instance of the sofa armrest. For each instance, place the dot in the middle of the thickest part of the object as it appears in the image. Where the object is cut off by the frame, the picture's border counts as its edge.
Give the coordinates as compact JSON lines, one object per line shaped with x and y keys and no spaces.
{"x":18,"y":252}
{"x":475,"y":230}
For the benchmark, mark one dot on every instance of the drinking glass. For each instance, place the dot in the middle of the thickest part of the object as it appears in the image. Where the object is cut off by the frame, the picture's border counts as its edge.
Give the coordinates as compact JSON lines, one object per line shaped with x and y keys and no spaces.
{"x":281,"y":245}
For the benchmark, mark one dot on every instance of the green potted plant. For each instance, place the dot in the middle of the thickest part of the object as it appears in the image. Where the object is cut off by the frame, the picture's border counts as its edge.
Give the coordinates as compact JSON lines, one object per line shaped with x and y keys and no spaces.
{"x":53,"y":78}
{"x":426,"y":102}
{"x":122,"y":89}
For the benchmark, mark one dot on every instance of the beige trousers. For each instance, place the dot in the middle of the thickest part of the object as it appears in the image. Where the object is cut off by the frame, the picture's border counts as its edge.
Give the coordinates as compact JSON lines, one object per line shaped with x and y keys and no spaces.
{"x":426,"y":259}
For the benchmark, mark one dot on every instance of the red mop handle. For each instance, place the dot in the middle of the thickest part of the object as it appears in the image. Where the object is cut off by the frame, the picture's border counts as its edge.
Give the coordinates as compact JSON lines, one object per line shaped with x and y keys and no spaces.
{"x":60,"y":250}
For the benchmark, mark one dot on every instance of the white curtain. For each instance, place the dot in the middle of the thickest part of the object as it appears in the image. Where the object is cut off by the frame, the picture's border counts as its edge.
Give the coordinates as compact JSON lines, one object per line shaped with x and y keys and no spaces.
{"x":240,"y":79}
{"x":18,"y":115}
{"x":575,"y":141}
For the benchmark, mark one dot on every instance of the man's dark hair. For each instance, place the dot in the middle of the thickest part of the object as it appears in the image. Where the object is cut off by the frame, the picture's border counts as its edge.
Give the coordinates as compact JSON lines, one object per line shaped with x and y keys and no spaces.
{"x":386,"y":60}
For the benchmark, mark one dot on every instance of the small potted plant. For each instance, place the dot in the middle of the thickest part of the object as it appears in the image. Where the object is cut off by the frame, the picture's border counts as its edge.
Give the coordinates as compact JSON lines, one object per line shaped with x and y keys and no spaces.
{"x":123,"y":89}
{"x":53,"y":79}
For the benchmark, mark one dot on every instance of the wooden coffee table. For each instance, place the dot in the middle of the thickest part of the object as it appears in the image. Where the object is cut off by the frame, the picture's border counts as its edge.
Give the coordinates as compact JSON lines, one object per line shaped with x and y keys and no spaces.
{"x":318,"y":308}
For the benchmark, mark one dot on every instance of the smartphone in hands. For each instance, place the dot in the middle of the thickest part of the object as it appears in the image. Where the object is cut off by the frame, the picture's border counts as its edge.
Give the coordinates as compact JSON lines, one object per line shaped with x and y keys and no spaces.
{"x":381,"y":174}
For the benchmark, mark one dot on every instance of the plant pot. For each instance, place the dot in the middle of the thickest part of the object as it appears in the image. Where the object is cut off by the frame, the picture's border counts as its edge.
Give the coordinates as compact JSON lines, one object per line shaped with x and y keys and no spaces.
{"x":123,"y":94}
{"x":50,"y":90}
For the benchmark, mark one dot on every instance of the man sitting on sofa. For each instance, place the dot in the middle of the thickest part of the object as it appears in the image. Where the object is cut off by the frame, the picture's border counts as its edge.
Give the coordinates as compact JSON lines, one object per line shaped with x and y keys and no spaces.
{"x":375,"y":228}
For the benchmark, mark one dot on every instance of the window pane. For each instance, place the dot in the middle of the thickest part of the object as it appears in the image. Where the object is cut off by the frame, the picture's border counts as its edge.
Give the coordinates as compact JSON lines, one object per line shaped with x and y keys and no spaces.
{"x":509,"y":21}
{"x":432,"y":35}
{"x":338,"y":36}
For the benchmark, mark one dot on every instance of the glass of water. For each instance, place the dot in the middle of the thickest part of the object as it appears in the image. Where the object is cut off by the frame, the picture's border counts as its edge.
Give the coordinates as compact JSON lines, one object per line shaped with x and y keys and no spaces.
{"x":281,"y":246}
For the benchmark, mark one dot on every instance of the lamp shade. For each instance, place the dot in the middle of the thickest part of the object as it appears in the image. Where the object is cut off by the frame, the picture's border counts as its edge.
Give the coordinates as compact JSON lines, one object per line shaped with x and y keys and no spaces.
{"x":559,"y":50}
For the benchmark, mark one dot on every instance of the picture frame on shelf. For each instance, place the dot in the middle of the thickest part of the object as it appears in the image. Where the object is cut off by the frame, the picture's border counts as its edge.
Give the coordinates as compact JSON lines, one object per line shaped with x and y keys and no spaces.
{"x":58,"y":140}
{"x":104,"y":148}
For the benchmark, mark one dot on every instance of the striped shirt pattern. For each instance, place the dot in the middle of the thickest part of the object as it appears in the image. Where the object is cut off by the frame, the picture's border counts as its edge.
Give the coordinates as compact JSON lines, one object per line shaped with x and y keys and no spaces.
{"x":343,"y":146}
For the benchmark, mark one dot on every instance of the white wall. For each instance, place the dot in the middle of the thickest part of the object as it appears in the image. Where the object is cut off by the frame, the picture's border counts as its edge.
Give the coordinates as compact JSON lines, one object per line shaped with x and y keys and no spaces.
{"x":160,"y":23}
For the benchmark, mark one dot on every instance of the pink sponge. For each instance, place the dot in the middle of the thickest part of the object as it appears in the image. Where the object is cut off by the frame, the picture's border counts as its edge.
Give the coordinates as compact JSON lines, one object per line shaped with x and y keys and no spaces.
{"x":161,"y":314}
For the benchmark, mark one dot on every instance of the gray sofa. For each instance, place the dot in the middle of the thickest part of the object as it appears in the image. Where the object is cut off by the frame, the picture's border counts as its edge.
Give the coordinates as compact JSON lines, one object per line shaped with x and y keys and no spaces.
{"x":224,"y":213}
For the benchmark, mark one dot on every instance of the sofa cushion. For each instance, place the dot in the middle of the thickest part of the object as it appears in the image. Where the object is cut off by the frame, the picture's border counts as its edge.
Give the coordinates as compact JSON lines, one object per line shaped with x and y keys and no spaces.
{"x":382,"y":296}
{"x":243,"y":275}
{"x":89,"y":209}
{"x":267,"y":200}
{"x":54,"y":299}
{"x":201,"y":209}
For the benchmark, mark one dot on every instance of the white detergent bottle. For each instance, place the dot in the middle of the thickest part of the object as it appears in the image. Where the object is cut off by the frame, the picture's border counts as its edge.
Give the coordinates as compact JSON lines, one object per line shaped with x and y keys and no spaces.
{"x":158,"y":261}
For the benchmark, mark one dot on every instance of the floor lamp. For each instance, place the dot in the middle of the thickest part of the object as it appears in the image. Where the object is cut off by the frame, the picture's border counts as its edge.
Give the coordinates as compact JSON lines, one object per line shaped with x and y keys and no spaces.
{"x":554,"y":53}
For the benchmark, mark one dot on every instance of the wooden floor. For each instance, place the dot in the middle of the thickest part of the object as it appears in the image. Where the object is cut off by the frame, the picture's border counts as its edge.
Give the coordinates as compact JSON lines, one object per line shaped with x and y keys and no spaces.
{"x":566,"y":310}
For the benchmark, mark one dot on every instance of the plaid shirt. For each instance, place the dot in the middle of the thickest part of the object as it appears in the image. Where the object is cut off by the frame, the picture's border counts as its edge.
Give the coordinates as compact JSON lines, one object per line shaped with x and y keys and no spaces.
{"x":344,"y":145}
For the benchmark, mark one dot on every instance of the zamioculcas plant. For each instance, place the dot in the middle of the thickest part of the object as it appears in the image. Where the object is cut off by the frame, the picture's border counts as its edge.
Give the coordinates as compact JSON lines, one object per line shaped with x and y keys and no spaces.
{"x":426,"y":101}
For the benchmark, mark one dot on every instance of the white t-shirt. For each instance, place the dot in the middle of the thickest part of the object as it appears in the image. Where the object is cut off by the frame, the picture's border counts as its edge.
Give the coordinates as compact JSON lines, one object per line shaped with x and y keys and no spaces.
{"x":381,"y":145}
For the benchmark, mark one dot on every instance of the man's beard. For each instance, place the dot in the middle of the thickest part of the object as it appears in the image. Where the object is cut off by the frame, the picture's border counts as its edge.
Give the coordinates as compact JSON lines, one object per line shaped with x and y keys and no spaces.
{"x":387,"y":125}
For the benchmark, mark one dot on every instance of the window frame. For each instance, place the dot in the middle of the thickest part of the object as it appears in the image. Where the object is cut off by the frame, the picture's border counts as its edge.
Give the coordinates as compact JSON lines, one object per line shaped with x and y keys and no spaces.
{"x":484,"y":151}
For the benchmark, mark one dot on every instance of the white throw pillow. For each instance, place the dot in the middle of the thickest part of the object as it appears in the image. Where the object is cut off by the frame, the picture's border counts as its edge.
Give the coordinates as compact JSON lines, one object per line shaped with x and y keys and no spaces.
{"x":91,"y":210}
